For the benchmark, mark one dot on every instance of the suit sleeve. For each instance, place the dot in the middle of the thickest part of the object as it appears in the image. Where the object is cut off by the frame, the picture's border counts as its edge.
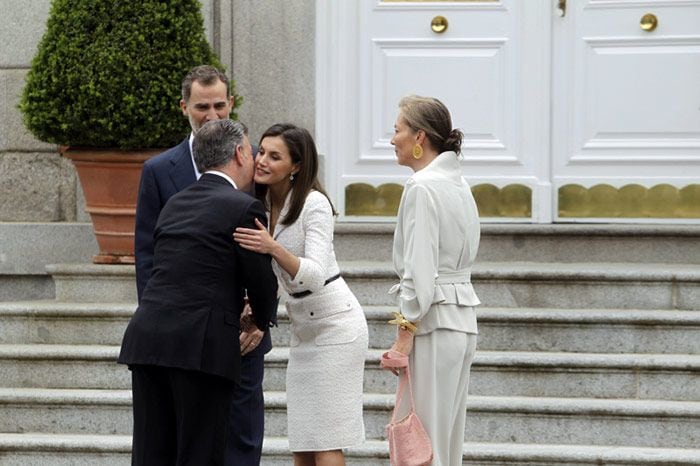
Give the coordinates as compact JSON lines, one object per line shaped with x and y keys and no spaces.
{"x":420,"y":251}
{"x":148,"y":206}
{"x":258,"y":277}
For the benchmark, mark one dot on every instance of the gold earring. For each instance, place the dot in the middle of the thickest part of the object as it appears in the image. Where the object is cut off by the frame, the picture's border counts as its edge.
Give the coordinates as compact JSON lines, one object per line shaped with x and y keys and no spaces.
{"x":417,"y":151}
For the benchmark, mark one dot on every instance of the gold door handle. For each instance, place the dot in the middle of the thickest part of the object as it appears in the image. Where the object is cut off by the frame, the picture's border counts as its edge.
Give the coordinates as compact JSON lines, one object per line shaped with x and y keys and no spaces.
{"x":648,"y":22}
{"x":561,"y":6}
{"x":439,"y":24}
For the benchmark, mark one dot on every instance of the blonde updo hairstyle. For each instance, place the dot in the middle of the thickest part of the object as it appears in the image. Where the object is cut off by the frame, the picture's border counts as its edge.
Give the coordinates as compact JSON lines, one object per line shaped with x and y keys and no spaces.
{"x":430,"y":115}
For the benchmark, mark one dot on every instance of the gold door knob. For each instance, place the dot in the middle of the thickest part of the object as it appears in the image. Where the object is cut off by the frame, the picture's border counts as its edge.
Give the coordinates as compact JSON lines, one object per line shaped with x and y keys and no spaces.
{"x":648,"y":22}
{"x":439,"y":24}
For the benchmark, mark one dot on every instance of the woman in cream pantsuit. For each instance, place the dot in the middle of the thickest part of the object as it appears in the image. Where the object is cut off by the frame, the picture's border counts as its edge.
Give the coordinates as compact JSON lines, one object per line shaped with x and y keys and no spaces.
{"x":435,"y":244}
{"x":329,"y":338}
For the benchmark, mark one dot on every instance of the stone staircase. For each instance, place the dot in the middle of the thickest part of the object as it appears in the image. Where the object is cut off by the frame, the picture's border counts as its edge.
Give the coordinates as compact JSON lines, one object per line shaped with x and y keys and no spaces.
{"x":589,"y":353}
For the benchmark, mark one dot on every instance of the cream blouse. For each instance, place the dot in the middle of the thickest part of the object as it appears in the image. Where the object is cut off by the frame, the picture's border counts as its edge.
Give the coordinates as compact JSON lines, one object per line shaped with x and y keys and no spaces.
{"x":435,"y":244}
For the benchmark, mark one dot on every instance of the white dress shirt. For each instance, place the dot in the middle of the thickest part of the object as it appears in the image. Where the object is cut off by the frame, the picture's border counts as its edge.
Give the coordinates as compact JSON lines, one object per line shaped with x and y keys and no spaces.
{"x":196,"y":172}
{"x":222,"y":175}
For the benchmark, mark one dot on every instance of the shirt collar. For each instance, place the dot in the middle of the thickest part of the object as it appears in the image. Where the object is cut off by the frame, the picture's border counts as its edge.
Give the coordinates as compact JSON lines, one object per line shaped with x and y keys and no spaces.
{"x":223,"y":175}
{"x":194,"y":165}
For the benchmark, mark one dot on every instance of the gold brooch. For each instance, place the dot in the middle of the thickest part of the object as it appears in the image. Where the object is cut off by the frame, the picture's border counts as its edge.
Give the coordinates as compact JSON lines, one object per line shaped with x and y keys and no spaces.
{"x":404,"y":323}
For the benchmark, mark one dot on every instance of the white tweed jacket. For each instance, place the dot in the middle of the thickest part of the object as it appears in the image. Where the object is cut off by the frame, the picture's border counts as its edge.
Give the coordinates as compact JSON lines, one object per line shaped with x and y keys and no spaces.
{"x":310,"y":238}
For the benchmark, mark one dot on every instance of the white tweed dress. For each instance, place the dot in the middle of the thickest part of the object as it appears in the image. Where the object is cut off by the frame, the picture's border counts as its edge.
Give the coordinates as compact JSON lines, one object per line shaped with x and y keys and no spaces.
{"x":328,"y":342}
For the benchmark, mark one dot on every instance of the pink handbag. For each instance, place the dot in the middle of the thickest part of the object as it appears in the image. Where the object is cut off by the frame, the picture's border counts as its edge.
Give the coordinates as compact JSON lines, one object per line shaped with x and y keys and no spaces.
{"x":409,"y":444}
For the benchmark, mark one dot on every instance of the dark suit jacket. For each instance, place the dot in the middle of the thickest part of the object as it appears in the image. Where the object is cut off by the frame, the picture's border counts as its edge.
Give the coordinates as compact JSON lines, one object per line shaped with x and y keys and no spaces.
{"x":162,"y":177}
{"x":189,"y":313}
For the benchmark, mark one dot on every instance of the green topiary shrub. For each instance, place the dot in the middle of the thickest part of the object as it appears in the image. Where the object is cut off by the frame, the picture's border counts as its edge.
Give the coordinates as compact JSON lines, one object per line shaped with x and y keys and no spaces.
{"x":107,"y":73}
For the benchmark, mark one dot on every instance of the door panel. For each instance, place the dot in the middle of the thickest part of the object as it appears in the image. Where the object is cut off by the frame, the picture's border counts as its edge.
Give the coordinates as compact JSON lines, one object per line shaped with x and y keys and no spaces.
{"x":483,"y":114}
{"x":626,"y":126}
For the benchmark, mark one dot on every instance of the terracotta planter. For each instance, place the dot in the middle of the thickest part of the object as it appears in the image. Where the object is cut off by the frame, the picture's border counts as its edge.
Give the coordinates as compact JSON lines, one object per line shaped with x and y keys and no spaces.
{"x":110,"y":182}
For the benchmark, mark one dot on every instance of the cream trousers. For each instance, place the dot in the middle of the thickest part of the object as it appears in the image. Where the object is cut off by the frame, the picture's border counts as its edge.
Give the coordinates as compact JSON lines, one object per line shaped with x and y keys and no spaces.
{"x":440,"y":364}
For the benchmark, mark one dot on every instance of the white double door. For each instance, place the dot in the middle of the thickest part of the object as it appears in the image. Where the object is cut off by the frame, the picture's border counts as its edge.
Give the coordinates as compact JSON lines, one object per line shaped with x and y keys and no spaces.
{"x":554,"y":97}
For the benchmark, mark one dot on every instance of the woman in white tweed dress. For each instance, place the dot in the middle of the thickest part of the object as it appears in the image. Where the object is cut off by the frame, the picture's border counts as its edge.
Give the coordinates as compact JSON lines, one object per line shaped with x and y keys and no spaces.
{"x":328,"y":342}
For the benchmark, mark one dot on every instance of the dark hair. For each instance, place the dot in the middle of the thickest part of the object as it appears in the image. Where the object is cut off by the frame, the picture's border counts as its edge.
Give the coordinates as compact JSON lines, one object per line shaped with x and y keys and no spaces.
{"x":215,"y":143}
{"x":206,"y":75}
{"x":302,"y":149}
{"x":430,"y":115}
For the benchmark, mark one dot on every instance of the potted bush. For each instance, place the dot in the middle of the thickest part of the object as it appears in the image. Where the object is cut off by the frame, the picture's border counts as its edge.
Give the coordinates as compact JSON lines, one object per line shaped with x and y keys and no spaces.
{"x":105,"y":86}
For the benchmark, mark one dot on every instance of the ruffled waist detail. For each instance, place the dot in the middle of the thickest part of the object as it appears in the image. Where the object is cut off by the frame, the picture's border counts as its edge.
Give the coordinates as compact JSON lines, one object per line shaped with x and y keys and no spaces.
{"x":462,"y":294}
{"x":450,"y":288}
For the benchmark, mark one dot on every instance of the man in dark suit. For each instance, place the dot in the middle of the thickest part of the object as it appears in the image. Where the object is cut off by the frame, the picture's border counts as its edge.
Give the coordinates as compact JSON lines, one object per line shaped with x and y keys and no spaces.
{"x":206,"y":96}
{"x":182,"y":344}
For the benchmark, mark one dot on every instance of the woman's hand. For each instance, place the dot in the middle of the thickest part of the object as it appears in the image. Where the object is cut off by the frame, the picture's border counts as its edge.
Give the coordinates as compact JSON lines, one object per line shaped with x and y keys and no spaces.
{"x":260,"y":241}
{"x":403,"y":344}
{"x":255,"y":240}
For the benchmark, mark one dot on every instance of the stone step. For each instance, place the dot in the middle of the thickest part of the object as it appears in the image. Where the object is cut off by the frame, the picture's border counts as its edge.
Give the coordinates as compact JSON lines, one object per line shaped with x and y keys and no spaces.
{"x":62,"y":366}
{"x":543,"y":243}
{"x":24,"y":273}
{"x":27,"y":247}
{"x":57,"y":322}
{"x":67,"y":411}
{"x":375,"y":453}
{"x":96,"y":283}
{"x":546,"y":374}
{"x":373,"y":241}
{"x":550,"y":285}
{"x":651,"y":423}
{"x":22,"y":287}
{"x":635,"y":376}
{"x":35,"y":448}
{"x":509,"y":329}
{"x":88,"y":450}
{"x":499,"y":284}
{"x":578,"y":330}
{"x":590,"y":330}
{"x":620,"y":330}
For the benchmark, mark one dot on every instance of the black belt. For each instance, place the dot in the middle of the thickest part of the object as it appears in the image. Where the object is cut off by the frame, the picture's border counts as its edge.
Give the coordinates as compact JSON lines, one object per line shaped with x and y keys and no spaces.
{"x":301,"y":294}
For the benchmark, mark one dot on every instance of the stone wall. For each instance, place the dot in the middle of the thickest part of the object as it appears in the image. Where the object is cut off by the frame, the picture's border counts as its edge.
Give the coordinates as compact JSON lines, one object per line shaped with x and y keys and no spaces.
{"x":274,"y":62}
{"x":35,"y":183}
{"x":267,"y":46}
